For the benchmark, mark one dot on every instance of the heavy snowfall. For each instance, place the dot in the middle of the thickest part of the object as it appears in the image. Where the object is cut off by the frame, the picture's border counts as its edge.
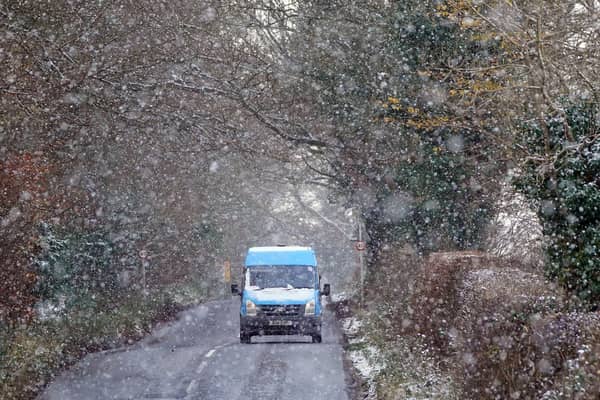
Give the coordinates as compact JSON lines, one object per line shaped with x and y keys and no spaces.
{"x":282,"y":199}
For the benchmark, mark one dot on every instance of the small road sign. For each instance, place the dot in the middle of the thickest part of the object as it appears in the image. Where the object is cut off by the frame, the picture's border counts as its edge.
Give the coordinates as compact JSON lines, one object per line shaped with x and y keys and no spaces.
{"x":360,"y":245}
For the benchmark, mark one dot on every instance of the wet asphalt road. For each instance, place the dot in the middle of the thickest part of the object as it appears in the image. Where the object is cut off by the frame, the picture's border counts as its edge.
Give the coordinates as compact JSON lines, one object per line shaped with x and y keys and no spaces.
{"x":199,"y":356}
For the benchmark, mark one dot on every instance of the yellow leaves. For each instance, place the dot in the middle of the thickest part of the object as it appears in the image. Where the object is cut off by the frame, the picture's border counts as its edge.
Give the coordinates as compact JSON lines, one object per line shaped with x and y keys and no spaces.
{"x":458,"y":6}
{"x":460,"y":12}
{"x":485,"y":86}
{"x":458,"y":92}
{"x":409,"y":116}
{"x":420,"y":123}
{"x":442,"y":10}
{"x":392,"y":103}
{"x":428,"y":123}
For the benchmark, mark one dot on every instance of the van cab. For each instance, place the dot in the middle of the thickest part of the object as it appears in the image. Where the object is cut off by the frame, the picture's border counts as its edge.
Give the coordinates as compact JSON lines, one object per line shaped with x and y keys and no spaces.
{"x":280,"y":293}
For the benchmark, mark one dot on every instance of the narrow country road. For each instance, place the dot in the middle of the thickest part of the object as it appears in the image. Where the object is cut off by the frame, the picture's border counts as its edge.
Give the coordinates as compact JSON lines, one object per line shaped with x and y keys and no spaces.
{"x":199,"y":356}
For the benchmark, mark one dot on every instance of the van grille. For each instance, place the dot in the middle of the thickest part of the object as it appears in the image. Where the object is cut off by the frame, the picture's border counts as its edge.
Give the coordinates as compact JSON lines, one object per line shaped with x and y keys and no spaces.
{"x":288,"y":310}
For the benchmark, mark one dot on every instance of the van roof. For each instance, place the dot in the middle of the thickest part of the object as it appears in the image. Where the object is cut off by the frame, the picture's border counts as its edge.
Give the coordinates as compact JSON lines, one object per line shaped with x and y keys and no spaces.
{"x":281,"y":255}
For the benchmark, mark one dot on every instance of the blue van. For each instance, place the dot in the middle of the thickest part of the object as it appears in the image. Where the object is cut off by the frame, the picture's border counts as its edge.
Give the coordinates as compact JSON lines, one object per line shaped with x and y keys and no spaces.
{"x":281,"y":293}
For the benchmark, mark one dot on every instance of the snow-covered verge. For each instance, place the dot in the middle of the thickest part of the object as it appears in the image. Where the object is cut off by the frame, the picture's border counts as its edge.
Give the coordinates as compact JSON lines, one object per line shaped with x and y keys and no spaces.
{"x":32,"y":355}
{"x":468,"y":325}
{"x":363,"y":355}
{"x":505,"y":332}
{"x":392,"y":368}
{"x":413,"y":373}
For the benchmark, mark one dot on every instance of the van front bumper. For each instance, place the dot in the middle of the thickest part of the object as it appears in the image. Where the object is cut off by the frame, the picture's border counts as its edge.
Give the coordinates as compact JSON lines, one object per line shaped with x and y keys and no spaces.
{"x":298,"y":325}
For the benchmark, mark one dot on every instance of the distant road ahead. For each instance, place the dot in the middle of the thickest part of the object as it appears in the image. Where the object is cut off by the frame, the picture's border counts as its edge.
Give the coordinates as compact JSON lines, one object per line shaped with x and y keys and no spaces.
{"x":199,"y":357}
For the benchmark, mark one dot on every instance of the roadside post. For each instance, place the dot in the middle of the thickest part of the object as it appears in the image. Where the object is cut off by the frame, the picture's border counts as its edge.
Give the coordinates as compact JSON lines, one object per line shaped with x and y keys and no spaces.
{"x":144,"y":256}
{"x":226,"y":277}
{"x":360,"y":247}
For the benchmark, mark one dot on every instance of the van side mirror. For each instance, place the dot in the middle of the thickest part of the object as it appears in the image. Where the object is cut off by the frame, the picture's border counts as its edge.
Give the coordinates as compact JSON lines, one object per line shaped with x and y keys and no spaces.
{"x":326,"y":289}
{"x":235,"y":289}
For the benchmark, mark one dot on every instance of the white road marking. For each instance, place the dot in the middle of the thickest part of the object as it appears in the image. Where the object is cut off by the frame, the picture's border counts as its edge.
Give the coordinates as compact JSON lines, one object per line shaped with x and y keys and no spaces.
{"x":192,"y":386}
{"x":202,"y":365}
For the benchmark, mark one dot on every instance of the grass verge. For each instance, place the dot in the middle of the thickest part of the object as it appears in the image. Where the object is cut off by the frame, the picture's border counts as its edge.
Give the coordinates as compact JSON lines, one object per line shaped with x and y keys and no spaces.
{"x":32,"y":355}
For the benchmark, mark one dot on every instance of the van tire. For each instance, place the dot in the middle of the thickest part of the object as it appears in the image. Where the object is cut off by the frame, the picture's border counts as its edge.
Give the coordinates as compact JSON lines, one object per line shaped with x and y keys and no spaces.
{"x":316,"y":338}
{"x":245,"y":338}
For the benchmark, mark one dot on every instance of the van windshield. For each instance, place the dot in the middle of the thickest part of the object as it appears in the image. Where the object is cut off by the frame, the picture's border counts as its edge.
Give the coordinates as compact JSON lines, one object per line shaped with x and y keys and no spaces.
{"x":280,"y":276}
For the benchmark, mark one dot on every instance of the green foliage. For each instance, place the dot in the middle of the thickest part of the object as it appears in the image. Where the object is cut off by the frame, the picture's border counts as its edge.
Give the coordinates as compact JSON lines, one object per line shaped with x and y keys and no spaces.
{"x":208,"y":235}
{"x":450,"y":211}
{"x":384,"y":82}
{"x":565,"y":184}
{"x":74,"y":268}
{"x":448,"y":214}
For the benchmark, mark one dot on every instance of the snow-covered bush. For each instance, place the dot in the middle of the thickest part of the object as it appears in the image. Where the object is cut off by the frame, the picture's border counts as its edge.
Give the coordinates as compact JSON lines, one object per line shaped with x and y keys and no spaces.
{"x":504,"y":332}
{"x":74,"y":268}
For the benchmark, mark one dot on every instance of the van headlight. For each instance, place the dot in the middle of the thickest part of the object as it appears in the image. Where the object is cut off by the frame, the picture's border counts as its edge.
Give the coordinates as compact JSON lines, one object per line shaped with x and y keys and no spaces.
{"x":250,"y":308}
{"x":309,"y":309}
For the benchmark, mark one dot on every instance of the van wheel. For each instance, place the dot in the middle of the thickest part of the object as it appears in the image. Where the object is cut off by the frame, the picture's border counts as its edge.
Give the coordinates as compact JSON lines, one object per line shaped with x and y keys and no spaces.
{"x":245,"y":338}
{"x":316,"y":338}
